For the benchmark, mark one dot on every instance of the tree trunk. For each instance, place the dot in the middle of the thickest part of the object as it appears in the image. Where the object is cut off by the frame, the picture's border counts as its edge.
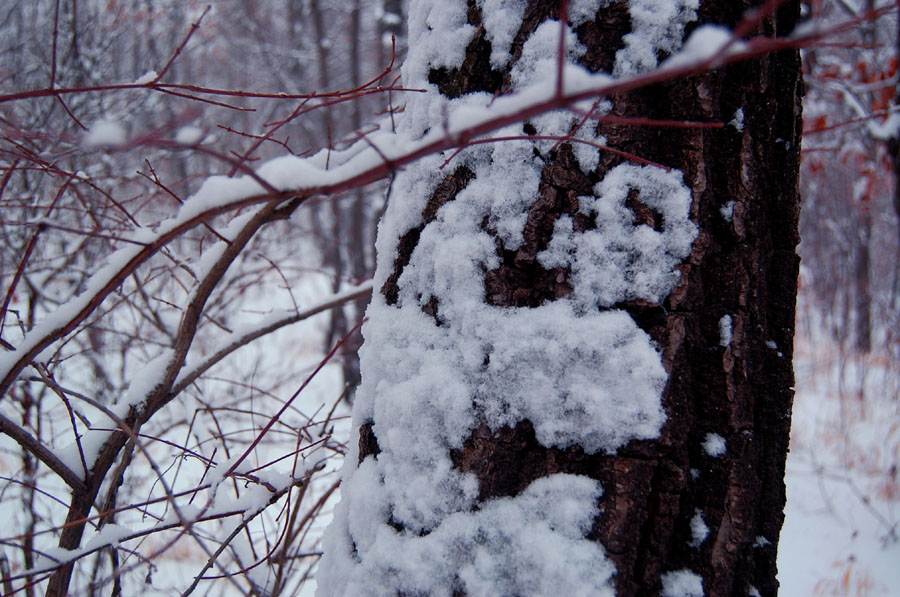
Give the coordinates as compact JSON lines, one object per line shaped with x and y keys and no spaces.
{"x":577,"y":374}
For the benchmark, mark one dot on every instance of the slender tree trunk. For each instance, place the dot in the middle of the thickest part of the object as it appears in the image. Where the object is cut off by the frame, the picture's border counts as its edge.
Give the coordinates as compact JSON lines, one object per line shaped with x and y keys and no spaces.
{"x":573,"y":381}
{"x":862,"y":296}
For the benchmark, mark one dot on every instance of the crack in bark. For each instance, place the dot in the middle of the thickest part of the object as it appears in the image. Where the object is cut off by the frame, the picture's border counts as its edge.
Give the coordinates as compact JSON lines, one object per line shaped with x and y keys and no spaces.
{"x":603,"y":37}
{"x":368,"y":442}
{"x":475,"y":73}
{"x":521,"y":281}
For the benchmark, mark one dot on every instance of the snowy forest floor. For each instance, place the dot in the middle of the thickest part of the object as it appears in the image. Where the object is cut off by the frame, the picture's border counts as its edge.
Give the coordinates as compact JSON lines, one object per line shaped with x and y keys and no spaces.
{"x":842,"y":527}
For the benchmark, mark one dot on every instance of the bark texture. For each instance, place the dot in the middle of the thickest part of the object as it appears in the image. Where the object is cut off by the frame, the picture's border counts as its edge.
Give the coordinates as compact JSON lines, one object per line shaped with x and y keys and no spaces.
{"x":743,"y":266}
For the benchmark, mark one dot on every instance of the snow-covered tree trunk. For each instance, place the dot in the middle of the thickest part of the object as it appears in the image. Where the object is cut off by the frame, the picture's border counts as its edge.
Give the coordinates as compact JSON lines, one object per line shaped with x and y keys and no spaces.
{"x":577,"y":372}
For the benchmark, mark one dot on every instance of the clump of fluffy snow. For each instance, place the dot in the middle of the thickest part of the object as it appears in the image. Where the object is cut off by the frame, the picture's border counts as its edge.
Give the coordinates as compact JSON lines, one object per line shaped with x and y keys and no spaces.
{"x":105,"y":133}
{"x":714,"y":445}
{"x":189,"y":135}
{"x":144,"y":381}
{"x":726,"y":330}
{"x":539,"y":54}
{"x":147,"y":77}
{"x":887,"y":130}
{"x":699,"y":530}
{"x":441,"y":33}
{"x":657,"y":27}
{"x":707,"y":42}
{"x":682,"y":583}
{"x":110,"y":534}
{"x":91,"y":442}
{"x":531,"y":544}
{"x":582,"y":11}
{"x":727,"y":211}
{"x":501,"y":20}
{"x":738,"y":120}
{"x":618,"y":261}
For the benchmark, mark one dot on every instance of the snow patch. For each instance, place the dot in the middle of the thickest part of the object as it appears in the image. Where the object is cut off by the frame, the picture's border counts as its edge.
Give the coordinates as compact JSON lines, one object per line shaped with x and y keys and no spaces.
{"x":618,"y":261}
{"x":110,"y":534}
{"x":582,"y":11}
{"x":714,"y":445}
{"x":887,"y":130}
{"x":699,"y":530}
{"x":145,"y":381}
{"x":91,"y":442}
{"x":682,"y":583}
{"x":726,"y":330}
{"x":105,"y":133}
{"x":727,"y":211}
{"x":705,"y":43}
{"x":189,"y":135}
{"x":539,"y":55}
{"x":501,"y":20}
{"x":738,"y":120}
{"x":532,"y":544}
{"x":146,"y":78}
{"x":656,"y":28}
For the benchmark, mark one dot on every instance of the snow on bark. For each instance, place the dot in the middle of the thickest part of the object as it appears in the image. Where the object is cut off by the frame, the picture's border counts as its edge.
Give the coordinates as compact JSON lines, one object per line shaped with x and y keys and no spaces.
{"x":443,"y":357}
{"x":682,"y":583}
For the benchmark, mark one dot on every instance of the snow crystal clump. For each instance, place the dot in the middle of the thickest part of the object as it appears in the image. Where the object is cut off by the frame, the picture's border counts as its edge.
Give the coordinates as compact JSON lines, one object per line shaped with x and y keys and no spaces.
{"x":714,"y":445}
{"x":189,"y":135}
{"x":682,"y":583}
{"x":597,"y":385}
{"x":738,"y":120}
{"x":105,"y":133}
{"x":442,"y":33}
{"x":618,"y":261}
{"x":727,"y":211}
{"x":707,"y":42}
{"x":699,"y":530}
{"x":531,"y":544}
{"x":656,"y":27}
{"x":539,"y":55}
{"x":147,"y":77}
{"x":501,"y":20}
{"x":110,"y":534}
{"x":582,"y":11}
{"x":726,"y":330}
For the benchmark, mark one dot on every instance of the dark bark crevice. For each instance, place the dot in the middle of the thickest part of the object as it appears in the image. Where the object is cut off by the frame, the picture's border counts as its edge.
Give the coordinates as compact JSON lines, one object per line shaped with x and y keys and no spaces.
{"x":368,"y":442}
{"x":521,"y":281}
{"x":475,"y":73}
{"x":603,"y":37}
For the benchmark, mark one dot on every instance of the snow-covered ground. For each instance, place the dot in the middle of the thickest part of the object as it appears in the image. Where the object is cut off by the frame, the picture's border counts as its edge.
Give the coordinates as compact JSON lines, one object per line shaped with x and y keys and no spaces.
{"x":842,"y":529}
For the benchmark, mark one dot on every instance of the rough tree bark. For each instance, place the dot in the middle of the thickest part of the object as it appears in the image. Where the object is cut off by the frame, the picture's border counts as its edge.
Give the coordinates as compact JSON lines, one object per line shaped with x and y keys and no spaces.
{"x":705,"y":494}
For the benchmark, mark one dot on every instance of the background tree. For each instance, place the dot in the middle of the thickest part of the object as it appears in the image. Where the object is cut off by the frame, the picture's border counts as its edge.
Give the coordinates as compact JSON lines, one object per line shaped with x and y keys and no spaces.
{"x":850,"y":211}
{"x":577,"y":375}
